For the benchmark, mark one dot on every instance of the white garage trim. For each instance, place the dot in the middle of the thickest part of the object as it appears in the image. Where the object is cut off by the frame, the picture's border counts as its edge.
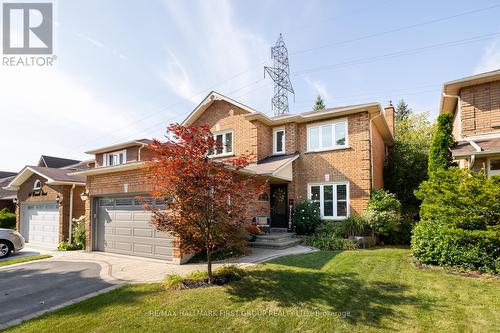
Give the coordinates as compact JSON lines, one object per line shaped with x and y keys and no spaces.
{"x":40,"y":223}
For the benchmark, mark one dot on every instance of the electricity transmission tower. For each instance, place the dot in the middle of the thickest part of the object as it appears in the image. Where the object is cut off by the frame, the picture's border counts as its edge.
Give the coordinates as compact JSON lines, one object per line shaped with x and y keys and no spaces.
{"x":280,"y":74}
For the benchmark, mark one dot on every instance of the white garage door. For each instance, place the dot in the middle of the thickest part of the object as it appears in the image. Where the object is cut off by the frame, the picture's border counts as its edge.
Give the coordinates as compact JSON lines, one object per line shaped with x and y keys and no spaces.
{"x":123,"y":227}
{"x":40,"y":223}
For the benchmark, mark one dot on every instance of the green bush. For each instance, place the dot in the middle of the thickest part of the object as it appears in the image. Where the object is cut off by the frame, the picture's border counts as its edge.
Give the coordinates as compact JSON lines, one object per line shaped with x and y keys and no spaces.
{"x":7,"y":219}
{"x":401,"y":236}
{"x":439,"y":152}
{"x":446,"y":245}
{"x":461,"y":198}
{"x":383,"y":212}
{"x":356,"y":225}
{"x":174,"y":281}
{"x":330,"y":227}
{"x":79,"y":232}
{"x":232,"y":272}
{"x":329,"y":242}
{"x":306,"y":217}
{"x":65,"y":246}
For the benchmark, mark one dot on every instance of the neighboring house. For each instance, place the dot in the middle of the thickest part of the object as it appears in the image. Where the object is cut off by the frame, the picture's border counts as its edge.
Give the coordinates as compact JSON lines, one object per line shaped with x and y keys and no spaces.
{"x":48,"y":198}
{"x":475,"y":103}
{"x":334,"y":157}
{"x":7,"y":196}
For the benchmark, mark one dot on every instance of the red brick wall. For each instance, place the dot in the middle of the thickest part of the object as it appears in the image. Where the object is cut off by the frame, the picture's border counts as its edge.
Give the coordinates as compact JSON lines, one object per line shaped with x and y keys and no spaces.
{"x":351,"y":164}
{"x":223,"y":116}
{"x":480,"y":105}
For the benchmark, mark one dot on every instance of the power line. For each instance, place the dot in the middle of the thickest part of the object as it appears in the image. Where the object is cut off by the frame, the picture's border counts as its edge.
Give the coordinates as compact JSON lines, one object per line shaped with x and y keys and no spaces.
{"x":411,"y":26}
{"x":400,"y":53}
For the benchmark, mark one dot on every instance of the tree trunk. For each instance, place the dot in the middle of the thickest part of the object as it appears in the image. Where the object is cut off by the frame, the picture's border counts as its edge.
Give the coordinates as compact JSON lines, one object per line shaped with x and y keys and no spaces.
{"x":209,"y":266}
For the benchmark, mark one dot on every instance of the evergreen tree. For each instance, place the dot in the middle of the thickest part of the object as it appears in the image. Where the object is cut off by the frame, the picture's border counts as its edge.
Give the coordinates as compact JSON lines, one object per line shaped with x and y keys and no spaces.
{"x":402,"y":110}
{"x":319,"y":104}
{"x":439,"y":152}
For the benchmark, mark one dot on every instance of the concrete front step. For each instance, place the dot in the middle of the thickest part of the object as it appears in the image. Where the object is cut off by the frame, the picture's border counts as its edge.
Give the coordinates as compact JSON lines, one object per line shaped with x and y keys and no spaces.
{"x":279,"y":240}
{"x":276,"y":245}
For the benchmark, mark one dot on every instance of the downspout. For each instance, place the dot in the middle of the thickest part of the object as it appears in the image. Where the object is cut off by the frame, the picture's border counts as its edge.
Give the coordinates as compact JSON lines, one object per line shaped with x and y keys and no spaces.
{"x":473,"y":156}
{"x":459,"y":111}
{"x":139,"y":153}
{"x":71,"y":212}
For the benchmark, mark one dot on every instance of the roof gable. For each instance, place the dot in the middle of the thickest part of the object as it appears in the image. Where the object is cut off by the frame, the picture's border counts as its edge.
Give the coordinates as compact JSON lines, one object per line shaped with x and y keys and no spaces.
{"x":55,"y":162}
{"x":53,"y":176}
{"x":208,"y":101}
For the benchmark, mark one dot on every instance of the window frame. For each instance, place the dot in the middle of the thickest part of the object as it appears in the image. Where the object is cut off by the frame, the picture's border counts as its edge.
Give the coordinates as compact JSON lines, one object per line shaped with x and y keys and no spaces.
{"x":275,"y":141}
{"x":493,"y":172}
{"x":224,"y":146}
{"x":39,"y":182}
{"x":332,"y":124}
{"x":113,"y":154}
{"x":335,"y":216}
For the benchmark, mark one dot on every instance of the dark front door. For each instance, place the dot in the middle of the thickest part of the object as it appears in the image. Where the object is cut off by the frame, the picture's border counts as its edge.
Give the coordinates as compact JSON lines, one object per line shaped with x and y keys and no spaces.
{"x":279,"y":211}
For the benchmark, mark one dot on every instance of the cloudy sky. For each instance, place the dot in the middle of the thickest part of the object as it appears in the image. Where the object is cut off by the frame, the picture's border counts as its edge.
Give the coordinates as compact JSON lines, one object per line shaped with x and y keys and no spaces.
{"x":125,"y":69}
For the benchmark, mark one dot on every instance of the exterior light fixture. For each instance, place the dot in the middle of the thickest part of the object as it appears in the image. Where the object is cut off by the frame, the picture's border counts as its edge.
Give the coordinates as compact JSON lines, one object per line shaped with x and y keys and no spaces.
{"x":15,"y":201}
{"x":85,"y":195}
{"x":59,"y":199}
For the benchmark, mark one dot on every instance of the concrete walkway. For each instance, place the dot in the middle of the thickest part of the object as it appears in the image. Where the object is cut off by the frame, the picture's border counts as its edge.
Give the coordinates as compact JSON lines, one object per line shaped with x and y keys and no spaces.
{"x":129,"y":269}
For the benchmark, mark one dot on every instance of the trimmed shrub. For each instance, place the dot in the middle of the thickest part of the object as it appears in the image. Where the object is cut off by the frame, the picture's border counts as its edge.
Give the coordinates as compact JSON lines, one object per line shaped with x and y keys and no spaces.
{"x":329,"y":242}
{"x":306,"y":217}
{"x":7,"y":219}
{"x":461,"y":198}
{"x":401,"y":236}
{"x":439,"y":152}
{"x":79,"y":232}
{"x":383,"y":212}
{"x":445,"y":245}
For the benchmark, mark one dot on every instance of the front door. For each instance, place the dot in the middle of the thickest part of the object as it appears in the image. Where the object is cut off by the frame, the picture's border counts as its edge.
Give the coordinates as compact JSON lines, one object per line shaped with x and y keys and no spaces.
{"x":279,"y":211}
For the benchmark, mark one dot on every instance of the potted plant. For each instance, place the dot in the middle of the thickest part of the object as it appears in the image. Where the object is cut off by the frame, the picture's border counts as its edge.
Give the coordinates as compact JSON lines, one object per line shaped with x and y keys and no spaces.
{"x":253,"y":231}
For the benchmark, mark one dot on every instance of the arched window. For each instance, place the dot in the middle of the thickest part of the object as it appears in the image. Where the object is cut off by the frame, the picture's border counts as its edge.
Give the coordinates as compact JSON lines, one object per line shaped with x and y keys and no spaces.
{"x":37,"y":185}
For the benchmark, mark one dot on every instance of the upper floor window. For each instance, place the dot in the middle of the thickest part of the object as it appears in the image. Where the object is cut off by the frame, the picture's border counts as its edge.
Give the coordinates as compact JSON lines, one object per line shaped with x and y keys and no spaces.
{"x":37,"y":184}
{"x":115,"y":158}
{"x":278,"y":141}
{"x":224,"y":141}
{"x":326,"y":136}
{"x":493,"y":167}
{"x":332,"y":199}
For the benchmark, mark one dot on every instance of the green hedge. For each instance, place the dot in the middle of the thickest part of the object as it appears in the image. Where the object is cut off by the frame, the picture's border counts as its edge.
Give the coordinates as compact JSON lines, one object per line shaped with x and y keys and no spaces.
{"x":440,"y":244}
{"x":7,"y":219}
{"x":306,"y":217}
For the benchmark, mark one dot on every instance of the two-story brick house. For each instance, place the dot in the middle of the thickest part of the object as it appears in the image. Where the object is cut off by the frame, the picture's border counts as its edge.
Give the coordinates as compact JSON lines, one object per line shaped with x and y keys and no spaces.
{"x":332,"y":156}
{"x":475,"y":103}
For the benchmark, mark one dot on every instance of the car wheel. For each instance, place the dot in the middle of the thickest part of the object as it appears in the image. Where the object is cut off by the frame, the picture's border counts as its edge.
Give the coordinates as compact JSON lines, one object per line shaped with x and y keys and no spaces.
{"x":4,"y":249}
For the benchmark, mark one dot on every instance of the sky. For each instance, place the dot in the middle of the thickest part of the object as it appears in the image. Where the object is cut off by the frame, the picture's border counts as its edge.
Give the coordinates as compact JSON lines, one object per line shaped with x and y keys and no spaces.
{"x":127,"y":69}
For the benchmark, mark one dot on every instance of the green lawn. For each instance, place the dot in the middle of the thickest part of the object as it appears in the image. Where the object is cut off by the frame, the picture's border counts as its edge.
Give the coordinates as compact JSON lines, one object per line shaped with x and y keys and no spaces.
{"x":24,"y":259}
{"x":380,"y":290}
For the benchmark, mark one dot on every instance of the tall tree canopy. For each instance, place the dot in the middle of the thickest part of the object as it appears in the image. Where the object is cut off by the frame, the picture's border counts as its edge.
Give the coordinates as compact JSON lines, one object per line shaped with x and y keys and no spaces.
{"x":407,"y":161}
{"x":207,"y":199}
{"x":440,"y":153}
{"x":319,"y":104}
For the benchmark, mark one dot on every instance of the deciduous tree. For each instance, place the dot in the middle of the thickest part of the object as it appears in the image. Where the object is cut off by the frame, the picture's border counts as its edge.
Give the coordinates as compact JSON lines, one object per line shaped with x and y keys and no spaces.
{"x":207,"y":199}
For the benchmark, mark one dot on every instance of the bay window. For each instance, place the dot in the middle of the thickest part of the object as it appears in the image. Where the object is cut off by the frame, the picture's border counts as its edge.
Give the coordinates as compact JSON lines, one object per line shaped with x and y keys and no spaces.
{"x":332,"y":199}
{"x":325,"y":136}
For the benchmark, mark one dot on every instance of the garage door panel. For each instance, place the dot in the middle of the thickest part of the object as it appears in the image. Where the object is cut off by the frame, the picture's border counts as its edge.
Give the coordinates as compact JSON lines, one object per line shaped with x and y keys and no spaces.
{"x":40,"y":223}
{"x":126,"y":230}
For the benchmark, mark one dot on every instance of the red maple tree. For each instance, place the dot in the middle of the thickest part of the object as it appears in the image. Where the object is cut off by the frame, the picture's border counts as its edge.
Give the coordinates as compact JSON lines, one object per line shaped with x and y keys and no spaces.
{"x":207,"y":199}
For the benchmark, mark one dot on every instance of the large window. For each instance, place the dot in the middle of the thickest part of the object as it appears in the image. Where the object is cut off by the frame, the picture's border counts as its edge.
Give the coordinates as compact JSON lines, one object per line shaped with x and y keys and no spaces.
{"x":224,"y":141}
{"x":278,"y":141}
{"x":494,"y":167}
{"x":326,"y":136}
{"x":115,"y":158}
{"x":331,"y":198}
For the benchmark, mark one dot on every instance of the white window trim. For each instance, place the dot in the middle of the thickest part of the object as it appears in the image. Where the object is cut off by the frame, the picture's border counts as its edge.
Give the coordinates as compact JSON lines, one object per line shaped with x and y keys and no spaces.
{"x":223,"y":154}
{"x":492,"y":172}
{"x":348,"y":199}
{"x":106,"y":157}
{"x":275,"y":147}
{"x":35,"y":187}
{"x":334,"y":146}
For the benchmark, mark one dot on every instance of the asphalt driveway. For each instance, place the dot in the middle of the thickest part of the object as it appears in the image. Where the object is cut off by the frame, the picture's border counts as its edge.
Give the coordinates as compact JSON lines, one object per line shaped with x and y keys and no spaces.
{"x":37,"y":286}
